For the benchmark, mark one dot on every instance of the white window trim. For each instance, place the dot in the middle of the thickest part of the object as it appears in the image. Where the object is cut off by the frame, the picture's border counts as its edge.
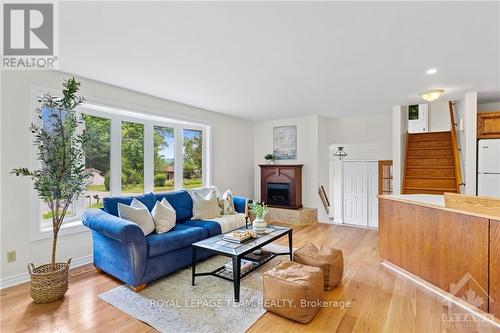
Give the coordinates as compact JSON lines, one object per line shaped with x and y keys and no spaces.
{"x":117,"y":114}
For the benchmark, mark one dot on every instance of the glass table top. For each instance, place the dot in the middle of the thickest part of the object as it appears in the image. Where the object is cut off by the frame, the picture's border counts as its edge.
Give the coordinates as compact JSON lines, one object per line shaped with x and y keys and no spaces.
{"x":218,"y":244}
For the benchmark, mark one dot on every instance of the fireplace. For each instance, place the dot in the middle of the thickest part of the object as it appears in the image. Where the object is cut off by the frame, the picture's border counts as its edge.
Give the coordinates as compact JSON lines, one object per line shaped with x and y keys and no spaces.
{"x":278,"y":194}
{"x":281,"y":185}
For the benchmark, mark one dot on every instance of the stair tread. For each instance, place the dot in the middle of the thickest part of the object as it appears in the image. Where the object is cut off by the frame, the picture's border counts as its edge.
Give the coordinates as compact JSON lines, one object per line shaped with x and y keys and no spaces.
{"x":428,"y":177}
{"x":430,"y":148}
{"x":429,"y":167}
{"x":430,"y":188}
{"x":427,"y":139}
{"x":428,"y":133}
{"x":430,"y":157}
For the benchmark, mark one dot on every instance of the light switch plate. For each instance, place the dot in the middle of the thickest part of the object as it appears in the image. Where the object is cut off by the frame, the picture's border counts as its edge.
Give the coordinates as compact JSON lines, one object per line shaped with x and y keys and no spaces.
{"x":11,"y":256}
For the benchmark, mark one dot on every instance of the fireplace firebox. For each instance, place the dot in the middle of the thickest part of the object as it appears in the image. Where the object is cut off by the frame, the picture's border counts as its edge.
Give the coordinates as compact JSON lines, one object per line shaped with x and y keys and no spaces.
{"x":281,"y":185}
{"x":278,"y":194}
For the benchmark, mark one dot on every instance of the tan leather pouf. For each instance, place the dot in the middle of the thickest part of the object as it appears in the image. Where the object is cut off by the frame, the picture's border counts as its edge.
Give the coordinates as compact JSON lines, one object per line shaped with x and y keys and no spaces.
{"x":294,"y":291}
{"x":329,"y":259}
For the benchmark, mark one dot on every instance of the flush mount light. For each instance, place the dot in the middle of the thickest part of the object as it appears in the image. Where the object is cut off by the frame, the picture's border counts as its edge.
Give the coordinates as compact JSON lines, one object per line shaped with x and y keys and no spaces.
{"x":431,"y":95}
{"x":432,"y":71}
{"x":340,"y":153}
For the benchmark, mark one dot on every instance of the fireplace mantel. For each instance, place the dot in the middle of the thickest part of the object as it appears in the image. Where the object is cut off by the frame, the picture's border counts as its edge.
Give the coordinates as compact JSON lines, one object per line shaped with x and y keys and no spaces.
{"x":286,"y":174}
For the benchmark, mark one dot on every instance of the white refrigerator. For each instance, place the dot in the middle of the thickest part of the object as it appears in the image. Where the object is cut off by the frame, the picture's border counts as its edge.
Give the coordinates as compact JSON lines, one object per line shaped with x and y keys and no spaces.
{"x":488,"y":168}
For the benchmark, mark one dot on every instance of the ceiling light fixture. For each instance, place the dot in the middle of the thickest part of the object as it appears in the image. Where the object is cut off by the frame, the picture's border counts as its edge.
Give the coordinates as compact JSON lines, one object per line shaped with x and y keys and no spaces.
{"x":340,"y":153}
{"x":431,"y":95}
{"x":432,"y":71}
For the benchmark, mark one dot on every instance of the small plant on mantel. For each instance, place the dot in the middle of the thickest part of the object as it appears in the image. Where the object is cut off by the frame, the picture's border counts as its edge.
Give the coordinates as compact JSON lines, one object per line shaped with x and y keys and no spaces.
{"x":269,"y":158}
{"x":60,"y":179}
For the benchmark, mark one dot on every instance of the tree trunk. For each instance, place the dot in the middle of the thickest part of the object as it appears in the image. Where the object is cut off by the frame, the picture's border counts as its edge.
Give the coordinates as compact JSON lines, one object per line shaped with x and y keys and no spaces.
{"x":54,"y":247}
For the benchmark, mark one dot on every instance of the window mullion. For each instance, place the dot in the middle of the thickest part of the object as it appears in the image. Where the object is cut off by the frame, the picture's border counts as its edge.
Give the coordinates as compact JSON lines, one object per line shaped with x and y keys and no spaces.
{"x":148,"y":158}
{"x":115,"y":180}
{"x":179,"y":158}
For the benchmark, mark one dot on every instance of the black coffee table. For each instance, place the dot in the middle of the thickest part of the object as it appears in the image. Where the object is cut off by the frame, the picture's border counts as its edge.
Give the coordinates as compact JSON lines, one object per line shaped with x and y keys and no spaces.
{"x":237,"y":252}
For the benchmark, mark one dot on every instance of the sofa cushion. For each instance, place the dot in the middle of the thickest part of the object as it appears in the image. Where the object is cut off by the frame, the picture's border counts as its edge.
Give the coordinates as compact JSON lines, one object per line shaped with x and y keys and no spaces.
{"x":213,"y":228}
{"x":181,"y":201}
{"x":180,"y":236}
{"x":111,"y":203}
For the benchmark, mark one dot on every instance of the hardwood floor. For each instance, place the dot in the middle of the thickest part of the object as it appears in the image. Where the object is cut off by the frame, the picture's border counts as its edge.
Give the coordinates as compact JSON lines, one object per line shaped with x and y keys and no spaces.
{"x":382,"y":301}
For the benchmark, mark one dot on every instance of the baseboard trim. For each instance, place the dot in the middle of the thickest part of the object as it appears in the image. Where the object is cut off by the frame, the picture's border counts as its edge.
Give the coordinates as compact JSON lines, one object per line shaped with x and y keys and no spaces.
{"x":487,"y":317}
{"x":14,"y":280}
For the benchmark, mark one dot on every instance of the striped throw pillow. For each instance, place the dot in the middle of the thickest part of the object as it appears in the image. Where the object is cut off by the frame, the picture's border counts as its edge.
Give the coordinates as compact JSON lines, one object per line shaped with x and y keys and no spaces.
{"x":205,"y":207}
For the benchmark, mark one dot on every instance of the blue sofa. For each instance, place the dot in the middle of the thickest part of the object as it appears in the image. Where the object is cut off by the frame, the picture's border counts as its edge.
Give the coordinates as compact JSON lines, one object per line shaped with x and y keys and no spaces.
{"x":122,"y":250}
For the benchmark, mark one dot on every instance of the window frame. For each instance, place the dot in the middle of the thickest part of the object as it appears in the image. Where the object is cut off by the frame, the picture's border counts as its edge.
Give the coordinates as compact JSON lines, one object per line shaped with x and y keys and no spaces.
{"x":149,"y":118}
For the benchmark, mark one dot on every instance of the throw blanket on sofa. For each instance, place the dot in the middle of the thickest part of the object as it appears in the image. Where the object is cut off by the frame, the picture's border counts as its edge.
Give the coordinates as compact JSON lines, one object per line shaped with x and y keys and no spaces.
{"x":229,"y":222}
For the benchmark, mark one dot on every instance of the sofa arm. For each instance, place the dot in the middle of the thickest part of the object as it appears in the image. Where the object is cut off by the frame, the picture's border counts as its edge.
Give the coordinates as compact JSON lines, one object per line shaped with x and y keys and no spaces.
{"x":240,"y":204}
{"x":112,"y":226}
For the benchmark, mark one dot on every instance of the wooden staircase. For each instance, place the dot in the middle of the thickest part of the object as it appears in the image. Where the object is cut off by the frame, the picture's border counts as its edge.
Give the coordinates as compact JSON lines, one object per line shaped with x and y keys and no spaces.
{"x":430,"y":164}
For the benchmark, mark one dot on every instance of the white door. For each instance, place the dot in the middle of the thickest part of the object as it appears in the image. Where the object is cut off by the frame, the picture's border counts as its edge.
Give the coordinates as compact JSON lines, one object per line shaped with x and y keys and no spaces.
{"x":418,"y":118}
{"x":372,"y":169}
{"x":355,"y":193}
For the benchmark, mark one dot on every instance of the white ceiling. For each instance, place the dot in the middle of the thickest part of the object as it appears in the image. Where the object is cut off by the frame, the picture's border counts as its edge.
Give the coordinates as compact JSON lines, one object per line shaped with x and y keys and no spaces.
{"x":285,"y":59}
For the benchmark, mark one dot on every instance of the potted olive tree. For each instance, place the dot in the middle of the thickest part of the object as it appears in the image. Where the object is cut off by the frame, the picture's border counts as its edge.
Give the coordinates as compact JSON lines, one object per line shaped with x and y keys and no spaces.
{"x":60,"y":179}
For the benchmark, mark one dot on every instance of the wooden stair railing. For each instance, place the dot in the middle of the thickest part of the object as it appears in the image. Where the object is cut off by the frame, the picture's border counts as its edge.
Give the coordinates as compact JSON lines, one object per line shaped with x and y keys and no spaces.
{"x":324,"y":198}
{"x":454,"y":144}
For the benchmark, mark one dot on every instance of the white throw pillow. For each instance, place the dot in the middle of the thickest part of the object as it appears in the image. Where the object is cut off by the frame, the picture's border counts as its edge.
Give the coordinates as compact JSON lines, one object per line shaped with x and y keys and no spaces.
{"x":205,"y":207}
{"x":163,"y":216}
{"x":138,"y":213}
{"x":204,"y":191}
{"x":226,"y":203}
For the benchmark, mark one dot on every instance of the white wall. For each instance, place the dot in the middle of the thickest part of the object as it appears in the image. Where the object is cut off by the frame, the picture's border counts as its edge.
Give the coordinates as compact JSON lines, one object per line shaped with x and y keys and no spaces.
{"x":399,"y":133}
{"x":323,"y":162}
{"x":360,"y":129}
{"x":439,"y":117}
{"x":470,"y":153}
{"x":488,"y":107}
{"x":232,"y":155}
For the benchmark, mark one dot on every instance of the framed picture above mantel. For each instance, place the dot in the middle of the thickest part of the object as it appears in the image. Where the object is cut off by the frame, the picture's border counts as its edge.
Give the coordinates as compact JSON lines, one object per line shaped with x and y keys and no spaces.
{"x":285,"y":142}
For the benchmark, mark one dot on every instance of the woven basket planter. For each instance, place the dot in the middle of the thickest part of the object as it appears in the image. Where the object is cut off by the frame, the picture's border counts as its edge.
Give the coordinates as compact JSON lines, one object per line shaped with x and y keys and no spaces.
{"x":47,"y":285}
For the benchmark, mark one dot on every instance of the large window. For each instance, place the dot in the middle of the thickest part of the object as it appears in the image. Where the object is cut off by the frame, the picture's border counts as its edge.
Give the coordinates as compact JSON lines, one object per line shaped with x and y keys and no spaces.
{"x":132,"y":158}
{"x":132,"y":153}
{"x":97,"y":159}
{"x":164,"y":159}
{"x":193,"y":158}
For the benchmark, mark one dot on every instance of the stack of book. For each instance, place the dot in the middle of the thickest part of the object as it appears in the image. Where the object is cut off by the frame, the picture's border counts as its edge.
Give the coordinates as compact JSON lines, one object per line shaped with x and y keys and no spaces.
{"x":258,"y":257}
{"x":245,"y":266}
{"x":238,"y":236}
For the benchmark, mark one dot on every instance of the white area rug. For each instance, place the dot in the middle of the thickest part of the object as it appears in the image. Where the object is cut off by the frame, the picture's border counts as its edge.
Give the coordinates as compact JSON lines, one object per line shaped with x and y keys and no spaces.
{"x":171,"y":304}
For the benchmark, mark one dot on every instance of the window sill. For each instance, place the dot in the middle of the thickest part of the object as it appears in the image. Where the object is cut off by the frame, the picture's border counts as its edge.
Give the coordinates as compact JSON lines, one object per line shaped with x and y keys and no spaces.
{"x":45,"y":232}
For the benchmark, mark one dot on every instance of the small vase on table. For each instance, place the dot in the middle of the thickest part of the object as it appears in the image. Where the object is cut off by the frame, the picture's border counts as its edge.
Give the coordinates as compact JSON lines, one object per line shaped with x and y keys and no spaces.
{"x":259,"y":226}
